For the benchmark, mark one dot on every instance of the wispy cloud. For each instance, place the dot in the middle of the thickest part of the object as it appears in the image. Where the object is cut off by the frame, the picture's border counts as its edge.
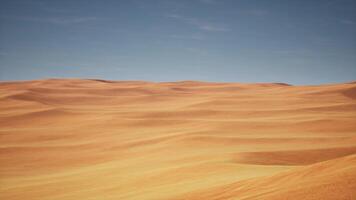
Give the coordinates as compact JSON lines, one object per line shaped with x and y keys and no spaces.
{"x":208,"y":1}
{"x":3,"y":53}
{"x":197,"y":51}
{"x":256,"y":12}
{"x":188,"y":37}
{"x":212,"y":27}
{"x":57,"y":20}
{"x":200,"y":24}
{"x":348,"y":22}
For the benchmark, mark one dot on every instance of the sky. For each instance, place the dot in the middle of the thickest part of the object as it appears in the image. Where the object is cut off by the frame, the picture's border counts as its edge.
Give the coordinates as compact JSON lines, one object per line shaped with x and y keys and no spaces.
{"x":297,"y":42}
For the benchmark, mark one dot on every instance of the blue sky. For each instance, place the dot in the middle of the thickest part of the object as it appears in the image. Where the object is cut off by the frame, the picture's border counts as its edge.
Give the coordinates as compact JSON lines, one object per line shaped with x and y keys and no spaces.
{"x":297,"y":42}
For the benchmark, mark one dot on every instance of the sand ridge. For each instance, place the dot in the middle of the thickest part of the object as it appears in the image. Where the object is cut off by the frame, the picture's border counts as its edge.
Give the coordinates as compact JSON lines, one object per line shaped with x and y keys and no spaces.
{"x":98,"y":139}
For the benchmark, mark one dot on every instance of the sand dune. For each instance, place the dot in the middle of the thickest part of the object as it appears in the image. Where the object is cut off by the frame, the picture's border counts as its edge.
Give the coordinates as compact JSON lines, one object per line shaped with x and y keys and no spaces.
{"x":97,"y":139}
{"x":334,"y":179}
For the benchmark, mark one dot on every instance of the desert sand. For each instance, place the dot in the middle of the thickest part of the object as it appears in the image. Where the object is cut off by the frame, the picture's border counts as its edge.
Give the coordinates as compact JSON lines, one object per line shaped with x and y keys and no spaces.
{"x":70,"y":139}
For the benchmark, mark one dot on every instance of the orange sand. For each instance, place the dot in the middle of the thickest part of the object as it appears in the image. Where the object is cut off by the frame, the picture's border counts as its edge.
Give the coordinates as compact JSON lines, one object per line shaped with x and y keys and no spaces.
{"x":108,"y":140}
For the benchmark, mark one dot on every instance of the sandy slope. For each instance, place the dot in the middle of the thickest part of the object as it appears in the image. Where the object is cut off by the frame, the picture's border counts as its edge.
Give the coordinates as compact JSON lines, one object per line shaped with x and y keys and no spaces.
{"x":95,"y":139}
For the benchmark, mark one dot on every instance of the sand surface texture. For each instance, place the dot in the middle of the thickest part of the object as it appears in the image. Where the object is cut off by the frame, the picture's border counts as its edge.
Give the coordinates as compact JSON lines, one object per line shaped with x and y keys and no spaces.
{"x":132,"y":140}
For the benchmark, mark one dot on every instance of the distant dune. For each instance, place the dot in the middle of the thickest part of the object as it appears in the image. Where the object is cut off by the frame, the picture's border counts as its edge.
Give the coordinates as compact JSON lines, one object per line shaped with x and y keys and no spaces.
{"x":70,"y":139}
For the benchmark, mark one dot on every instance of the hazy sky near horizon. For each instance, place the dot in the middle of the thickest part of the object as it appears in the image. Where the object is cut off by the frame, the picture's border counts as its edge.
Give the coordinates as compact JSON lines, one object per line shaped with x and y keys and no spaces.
{"x":292,"y":41}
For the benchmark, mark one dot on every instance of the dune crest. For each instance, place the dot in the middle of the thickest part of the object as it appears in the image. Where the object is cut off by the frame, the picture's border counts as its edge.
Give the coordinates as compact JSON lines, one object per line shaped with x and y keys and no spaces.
{"x":334,"y":179}
{"x":98,"y":139}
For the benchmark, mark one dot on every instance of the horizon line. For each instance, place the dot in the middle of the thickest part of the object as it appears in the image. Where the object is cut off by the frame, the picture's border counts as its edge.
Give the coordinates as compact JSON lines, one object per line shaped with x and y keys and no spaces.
{"x":173,"y":81}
